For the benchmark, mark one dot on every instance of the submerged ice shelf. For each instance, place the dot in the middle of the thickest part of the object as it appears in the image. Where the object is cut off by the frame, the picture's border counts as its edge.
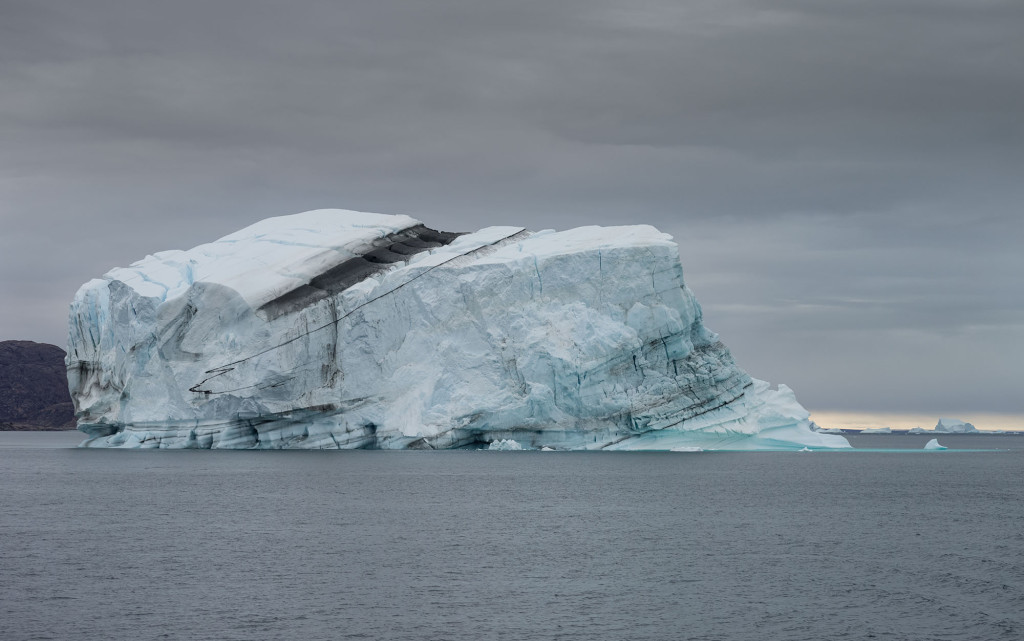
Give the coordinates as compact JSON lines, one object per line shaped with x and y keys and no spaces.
{"x":340,"y":329}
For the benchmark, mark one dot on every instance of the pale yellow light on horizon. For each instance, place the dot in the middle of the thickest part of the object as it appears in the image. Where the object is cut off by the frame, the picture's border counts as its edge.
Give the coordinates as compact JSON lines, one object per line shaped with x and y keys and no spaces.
{"x":904,"y":421}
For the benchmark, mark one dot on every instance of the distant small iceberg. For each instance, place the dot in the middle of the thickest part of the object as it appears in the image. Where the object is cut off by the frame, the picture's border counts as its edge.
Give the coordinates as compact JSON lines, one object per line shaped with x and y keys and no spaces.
{"x":934,"y":445}
{"x":917,"y":430}
{"x":505,"y":445}
{"x":687,"y":448}
{"x":876,"y":430}
{"x":954,"y":426}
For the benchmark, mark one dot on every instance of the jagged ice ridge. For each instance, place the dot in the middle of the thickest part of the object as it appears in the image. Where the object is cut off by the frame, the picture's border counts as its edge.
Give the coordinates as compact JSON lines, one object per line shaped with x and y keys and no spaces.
{"x":341,"y":329}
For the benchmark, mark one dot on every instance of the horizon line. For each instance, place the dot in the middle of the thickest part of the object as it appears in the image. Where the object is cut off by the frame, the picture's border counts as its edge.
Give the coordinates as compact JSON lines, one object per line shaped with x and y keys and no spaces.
{"x":984,"y":421}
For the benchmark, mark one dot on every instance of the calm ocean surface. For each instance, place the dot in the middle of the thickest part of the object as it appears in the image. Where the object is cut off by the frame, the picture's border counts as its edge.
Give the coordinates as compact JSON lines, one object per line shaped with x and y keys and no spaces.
{"x":136,"y":545}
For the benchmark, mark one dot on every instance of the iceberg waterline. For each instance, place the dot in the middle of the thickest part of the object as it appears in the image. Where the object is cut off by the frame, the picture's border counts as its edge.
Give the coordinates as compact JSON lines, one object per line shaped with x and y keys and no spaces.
{"x":340,"y":329}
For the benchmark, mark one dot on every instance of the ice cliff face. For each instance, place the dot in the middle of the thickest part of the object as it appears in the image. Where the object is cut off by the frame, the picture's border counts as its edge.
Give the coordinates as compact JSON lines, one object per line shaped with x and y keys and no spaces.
{"x":340,"y":329}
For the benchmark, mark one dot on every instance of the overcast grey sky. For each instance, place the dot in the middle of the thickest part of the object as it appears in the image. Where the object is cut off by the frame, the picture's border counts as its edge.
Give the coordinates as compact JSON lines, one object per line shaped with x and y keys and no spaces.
{"x":845,"y":179}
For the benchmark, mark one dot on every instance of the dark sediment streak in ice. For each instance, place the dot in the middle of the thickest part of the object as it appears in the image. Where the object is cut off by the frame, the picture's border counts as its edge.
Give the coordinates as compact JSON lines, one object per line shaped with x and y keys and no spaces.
{"x":393,"y":248}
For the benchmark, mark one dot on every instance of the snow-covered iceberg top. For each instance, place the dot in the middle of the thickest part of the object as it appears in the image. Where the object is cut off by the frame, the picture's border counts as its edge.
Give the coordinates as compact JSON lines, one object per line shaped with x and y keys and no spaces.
{"x":339,"y":329}
{"x":264,"y":260}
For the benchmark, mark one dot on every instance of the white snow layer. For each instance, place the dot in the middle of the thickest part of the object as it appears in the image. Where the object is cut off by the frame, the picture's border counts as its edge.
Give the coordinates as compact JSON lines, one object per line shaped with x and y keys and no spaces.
{"x":581,"y":339}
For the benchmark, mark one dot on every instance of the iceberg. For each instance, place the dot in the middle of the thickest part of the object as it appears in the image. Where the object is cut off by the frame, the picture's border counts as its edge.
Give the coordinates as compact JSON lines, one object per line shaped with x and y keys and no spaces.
{"x":341,"y":329}
{"x":954,"y":426}
{"x":933,"y":445}
{"x":876,"y":430}
{"x":505,"y":445}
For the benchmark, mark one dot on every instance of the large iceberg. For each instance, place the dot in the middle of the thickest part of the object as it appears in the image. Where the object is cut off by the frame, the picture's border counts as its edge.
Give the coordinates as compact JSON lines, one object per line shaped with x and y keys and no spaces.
{"x":341,"y":329}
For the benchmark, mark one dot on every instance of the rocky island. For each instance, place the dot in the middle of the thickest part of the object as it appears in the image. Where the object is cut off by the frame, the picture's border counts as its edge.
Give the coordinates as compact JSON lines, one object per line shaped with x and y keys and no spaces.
{"x":34,"y":387}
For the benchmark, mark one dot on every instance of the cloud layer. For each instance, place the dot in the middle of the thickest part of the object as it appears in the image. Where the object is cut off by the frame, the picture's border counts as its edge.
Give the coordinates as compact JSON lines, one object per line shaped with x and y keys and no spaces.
{"x":843,"y":178}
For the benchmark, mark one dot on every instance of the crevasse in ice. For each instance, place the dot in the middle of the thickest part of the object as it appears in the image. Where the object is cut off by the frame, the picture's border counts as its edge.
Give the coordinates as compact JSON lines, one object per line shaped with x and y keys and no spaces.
{"x":341,"y":329}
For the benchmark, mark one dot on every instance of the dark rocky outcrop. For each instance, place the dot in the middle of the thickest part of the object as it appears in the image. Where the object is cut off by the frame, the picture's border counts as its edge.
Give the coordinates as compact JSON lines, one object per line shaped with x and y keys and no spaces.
{"x":34,"y":387}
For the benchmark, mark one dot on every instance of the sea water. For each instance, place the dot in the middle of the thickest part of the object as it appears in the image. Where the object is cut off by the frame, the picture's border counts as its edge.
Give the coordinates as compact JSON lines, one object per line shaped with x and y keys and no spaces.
{"x":467,"y":545}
